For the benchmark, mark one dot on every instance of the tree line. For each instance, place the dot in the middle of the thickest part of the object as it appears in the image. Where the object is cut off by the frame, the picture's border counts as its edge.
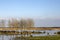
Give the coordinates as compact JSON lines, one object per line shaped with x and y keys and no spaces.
{"x":14,"y":22}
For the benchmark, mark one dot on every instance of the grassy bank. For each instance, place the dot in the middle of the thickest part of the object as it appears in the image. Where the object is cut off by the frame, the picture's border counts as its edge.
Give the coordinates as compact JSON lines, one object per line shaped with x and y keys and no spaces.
{"x":40,"y":38}
{"x":45,"y":38}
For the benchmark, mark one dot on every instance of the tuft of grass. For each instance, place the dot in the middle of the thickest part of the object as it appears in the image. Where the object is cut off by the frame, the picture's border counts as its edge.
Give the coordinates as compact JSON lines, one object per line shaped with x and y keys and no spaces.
{"x":39,"y":38}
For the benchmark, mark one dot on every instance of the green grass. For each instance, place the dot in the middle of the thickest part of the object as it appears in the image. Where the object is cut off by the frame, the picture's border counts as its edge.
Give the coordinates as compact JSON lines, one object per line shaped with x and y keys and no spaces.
{"x":45,"y":38}
{"x":39,"y":38}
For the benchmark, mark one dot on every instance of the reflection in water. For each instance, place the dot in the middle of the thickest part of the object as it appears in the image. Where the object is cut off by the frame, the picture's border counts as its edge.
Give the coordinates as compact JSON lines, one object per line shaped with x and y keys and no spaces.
{"x":47,"y":32}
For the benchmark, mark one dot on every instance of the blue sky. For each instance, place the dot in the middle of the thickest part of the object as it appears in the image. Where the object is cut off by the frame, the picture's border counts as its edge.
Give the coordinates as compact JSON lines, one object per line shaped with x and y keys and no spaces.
{"x":30,"y":8}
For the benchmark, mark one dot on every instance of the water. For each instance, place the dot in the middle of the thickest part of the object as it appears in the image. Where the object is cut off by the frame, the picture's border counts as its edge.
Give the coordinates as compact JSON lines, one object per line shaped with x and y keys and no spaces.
{"x":47,"y":32}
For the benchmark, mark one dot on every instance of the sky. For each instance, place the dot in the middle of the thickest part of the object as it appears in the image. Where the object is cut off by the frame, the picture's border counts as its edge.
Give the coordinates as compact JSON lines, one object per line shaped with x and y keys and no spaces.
{"x":30,"y":8}
{"x":39,"y":9}
{"x":47,"y":22}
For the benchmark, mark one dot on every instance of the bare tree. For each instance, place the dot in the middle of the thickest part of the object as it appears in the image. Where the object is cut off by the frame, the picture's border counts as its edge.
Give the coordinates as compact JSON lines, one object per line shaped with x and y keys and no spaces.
{"x":22,"y":23}
{"x":30,"y":23}
{"x":26,"y":23}
{"x":2,"y":23}
{"x":9,"y":23}
{"x":13,"y":23}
